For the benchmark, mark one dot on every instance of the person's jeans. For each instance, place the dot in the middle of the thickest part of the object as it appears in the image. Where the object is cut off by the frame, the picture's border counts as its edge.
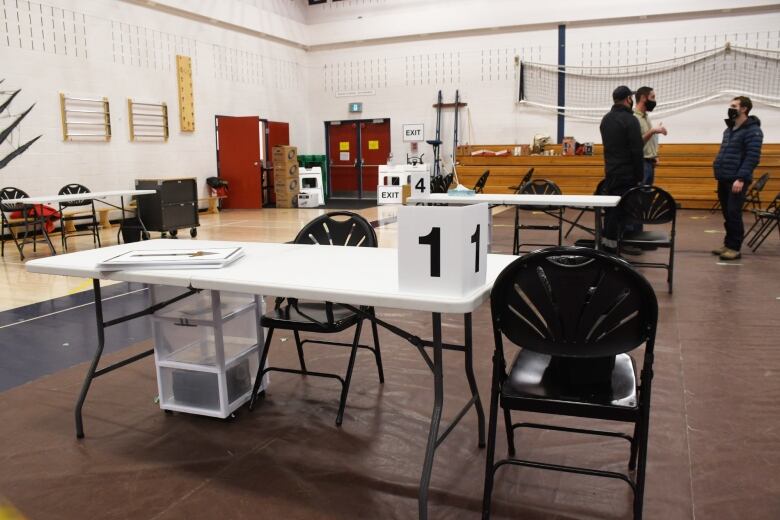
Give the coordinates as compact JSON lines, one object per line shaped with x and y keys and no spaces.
{"x":649,"y":172}
{"x":731,"y":206}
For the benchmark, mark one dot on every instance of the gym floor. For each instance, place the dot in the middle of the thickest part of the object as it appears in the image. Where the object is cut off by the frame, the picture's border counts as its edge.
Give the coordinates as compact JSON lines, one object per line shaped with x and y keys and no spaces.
{"x":714,"y":449}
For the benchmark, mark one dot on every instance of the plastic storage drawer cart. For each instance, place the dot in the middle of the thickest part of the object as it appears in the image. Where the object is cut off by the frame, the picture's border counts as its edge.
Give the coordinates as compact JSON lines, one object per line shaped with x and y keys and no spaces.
{"x":207,"y":350}
{"x":173,"y":207}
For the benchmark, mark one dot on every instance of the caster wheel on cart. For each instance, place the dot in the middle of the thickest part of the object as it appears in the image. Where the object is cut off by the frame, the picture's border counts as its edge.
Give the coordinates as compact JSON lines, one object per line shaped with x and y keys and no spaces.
{"x":193,"y":232}
{"x":174,"y":233}
{"x":145,"y":235}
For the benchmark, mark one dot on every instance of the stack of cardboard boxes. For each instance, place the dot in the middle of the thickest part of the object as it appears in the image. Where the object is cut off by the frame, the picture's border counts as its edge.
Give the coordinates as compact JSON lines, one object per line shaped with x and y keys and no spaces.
{"x":286,"y":186}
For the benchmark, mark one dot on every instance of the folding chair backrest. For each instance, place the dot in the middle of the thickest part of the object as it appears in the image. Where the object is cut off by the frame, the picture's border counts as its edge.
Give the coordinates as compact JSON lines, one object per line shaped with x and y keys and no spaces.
{"x":480,"y":184}
{"x":11,"y":193}
{"x":759,"y":185}
{"x":573,"y":302}
{"x":541,"y":187}
{"x":338,"y":228}
{"x":525,"y":180}
{"x":649,"y":205}
{"x":71,"y":189}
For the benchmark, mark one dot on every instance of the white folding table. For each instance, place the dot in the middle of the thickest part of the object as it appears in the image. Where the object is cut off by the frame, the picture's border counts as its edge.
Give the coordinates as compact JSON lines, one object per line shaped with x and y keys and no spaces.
{"x":352,"y":276}
{"x":507,"y":199}
{"x":92,"y":195}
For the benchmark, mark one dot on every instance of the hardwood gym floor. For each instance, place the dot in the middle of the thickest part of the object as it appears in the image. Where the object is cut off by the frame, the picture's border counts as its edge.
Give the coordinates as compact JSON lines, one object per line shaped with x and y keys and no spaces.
{"x":714,"y":444}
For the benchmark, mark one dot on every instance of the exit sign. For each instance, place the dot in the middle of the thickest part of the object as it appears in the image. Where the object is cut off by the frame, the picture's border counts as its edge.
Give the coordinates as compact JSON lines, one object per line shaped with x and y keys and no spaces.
{"x":413,"y":133}
{"x":356,"y":107}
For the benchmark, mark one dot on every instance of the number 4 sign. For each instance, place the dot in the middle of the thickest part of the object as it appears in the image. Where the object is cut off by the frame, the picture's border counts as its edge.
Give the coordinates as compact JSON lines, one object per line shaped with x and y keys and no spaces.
{"x":419,"y":180}
{"x":442,"y":249}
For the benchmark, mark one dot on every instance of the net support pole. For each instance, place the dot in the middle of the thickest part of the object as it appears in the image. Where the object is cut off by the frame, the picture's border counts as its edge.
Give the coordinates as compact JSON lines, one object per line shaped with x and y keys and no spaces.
{"x":561,"y":79}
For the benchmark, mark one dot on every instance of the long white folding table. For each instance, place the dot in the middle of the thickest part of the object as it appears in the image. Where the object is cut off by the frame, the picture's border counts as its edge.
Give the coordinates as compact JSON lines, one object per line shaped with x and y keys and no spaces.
{"x":100,"y":196}
{"x":597,"y":202}
{"x":351,"y":276}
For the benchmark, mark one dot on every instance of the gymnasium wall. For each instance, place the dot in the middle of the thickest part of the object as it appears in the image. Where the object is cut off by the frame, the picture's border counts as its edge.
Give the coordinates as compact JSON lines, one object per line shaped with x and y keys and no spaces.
{"x":96,"y":48}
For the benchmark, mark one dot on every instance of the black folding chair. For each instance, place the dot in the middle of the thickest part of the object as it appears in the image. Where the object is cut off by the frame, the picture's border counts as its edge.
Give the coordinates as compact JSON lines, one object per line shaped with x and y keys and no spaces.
{"x":650,"y":205}
{"x":339,"y":228}
{"x":525,"y":180}
{"x":29,"y":217}
{"x":575,"y":223}
{"x":766,"y":221}
{"x":86,"y":217}
{"x":576,"y":313}
{"x":479,"y":187}
{"x":538,"y":187}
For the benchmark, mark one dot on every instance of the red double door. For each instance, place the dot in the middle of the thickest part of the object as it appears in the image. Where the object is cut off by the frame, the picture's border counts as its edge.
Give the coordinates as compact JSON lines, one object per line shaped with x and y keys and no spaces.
{"x":244,"y":158}
{"x":355,"y":151}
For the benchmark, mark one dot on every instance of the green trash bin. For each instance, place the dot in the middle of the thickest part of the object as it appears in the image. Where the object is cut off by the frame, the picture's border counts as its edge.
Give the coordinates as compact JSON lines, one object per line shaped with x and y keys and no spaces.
{"x":310,"y":161}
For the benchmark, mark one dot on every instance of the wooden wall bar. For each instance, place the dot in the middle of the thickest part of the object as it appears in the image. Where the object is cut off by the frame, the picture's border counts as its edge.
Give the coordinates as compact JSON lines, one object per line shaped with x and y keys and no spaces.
{"x":685,"y":170}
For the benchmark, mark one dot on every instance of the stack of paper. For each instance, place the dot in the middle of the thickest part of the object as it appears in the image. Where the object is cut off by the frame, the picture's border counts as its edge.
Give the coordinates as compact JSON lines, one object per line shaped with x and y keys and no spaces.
{"x":192,"y":258}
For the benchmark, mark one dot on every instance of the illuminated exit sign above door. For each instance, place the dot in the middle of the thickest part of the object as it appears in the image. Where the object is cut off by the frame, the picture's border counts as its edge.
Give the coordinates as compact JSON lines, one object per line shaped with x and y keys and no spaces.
{"x":356,"y":107}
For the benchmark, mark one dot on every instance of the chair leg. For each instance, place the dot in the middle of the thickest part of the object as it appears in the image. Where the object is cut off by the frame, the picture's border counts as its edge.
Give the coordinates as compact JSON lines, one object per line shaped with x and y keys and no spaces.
{"x":639,"y":492}
{"x":299,"y":346}
{"x":491,"y":451}
{"x":259,"y":376}
{"x":510,"y":432}
{"x":377,"y":352}
{"x":670,"y":275}
{"x":516,"y":233}
{"x":348,"y":376}
{"x":560,"y":226}
{"x":574,"y":223}
{"x":634,"y":446}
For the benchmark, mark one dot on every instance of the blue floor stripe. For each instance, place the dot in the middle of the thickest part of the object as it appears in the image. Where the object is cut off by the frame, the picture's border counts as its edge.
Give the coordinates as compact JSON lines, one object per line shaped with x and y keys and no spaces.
{"x":51,"y":343}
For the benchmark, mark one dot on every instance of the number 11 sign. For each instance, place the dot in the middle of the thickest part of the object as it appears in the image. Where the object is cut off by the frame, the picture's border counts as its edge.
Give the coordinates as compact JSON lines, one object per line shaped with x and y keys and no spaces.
{"x":442,"y":249}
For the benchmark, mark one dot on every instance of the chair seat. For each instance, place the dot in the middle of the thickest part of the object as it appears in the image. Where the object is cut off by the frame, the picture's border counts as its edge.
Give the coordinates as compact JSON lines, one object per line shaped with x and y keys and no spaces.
{"x":535,"y":375}
{"x":302,"y":318}
{"x":645,"y":237}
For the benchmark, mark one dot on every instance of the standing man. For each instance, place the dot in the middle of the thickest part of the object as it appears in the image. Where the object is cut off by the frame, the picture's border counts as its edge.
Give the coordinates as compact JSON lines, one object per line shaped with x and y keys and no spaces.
{"x":645,"y":102}
{"x":623,"y":161}
{"x":739,"y":154}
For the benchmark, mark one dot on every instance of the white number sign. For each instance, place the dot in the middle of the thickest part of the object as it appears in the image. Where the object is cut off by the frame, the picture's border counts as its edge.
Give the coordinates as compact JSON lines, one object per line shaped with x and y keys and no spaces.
{"x":442,"y":249}
{"x":419,"y":180}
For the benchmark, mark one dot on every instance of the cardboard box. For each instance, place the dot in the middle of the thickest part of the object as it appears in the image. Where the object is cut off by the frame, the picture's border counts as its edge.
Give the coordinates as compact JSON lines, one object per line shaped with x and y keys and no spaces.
{"x":286,"y":170}
{"x":284,"y":153}
{"x":287,"y":201}
{"x":290,"y":185}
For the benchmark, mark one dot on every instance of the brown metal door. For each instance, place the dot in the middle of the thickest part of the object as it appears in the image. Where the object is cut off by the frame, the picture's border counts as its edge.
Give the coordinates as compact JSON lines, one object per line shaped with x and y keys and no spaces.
{"x":343,"y":156}
{"x":238,"y":160}
{"x":374,"y":150}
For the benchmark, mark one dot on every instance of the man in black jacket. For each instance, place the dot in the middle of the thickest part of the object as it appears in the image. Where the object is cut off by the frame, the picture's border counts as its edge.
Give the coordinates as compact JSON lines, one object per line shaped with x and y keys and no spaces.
{"x":739,"y":154}
{"x":623,"y":160}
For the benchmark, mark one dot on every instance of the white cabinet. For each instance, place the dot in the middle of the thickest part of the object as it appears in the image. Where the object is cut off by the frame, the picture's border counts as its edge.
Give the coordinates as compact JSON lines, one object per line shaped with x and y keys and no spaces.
{"x":207,"y":350}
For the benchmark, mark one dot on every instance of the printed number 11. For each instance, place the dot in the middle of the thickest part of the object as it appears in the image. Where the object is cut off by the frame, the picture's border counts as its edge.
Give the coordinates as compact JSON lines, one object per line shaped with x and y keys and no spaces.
{"x":433,"y":239}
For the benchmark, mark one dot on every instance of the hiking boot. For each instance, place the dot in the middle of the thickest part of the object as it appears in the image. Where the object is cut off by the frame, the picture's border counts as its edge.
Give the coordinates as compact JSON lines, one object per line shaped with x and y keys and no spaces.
{"x":719,"y":251}
{"x":730,"y":254}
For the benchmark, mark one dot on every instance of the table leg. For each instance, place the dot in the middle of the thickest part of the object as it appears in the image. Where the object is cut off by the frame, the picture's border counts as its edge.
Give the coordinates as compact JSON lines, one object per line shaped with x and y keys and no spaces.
{"x":597,"y":229}
{"x":472,"y":380}
{"x":433,"y":434}
{"x":93,"y":367}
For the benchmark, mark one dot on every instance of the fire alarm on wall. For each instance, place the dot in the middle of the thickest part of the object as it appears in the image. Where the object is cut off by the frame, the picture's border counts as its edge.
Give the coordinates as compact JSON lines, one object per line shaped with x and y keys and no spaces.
{"x":356,"y":107}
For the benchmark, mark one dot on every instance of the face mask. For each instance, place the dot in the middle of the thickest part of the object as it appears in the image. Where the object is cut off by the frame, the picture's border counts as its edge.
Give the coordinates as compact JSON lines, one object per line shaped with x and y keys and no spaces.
{"x":649,"y":105}
{"x":733,"y":113}
{"x":630,"y":103}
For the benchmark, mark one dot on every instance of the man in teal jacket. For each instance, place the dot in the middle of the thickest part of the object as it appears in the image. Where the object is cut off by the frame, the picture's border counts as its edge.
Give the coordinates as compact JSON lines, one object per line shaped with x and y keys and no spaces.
{"x":739,"y":154}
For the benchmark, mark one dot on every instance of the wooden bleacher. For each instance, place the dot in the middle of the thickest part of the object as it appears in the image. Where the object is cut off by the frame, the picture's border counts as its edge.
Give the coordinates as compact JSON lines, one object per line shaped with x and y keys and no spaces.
{"x":685,"y":170}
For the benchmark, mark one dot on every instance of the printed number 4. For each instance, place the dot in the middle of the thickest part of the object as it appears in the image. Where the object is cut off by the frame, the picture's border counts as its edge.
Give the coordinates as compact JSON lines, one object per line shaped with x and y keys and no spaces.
{"x":433,"y":239}
{"x":420,"y":186}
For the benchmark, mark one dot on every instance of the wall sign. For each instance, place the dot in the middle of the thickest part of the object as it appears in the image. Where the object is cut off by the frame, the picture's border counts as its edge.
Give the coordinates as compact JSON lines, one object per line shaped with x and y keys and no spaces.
{"x":356,"y":107}
{"x":413,"y":132}
{"x":442,"y":249}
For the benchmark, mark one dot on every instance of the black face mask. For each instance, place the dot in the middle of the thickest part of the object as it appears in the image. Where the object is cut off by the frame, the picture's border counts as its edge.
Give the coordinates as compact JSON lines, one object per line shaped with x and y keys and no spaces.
{"x":733,"y":113}
{"x":631,"y":104}
{"x":649,"y":105}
